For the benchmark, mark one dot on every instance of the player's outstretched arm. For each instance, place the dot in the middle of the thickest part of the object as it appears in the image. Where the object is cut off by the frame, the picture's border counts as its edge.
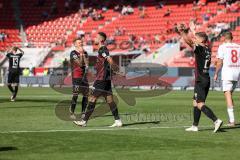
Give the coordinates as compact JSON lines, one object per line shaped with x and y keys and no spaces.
{"x":183,"y":32}
{"x":86,"y":62}
{"x":21,"y":51}
{"x":115,"y":67}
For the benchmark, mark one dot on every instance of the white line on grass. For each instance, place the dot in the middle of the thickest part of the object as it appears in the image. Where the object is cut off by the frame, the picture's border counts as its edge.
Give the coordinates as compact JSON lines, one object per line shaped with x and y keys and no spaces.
{"x":97,"y":129}
{"x":38,"y":96}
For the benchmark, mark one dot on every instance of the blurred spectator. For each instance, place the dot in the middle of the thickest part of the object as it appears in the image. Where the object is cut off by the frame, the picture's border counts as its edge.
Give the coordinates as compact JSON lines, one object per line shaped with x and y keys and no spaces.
{"x":67,"y":5}
{"x":119,"y":31}
{"x":40,"y":3}
{"x":132,"y":39}
{"x":130,"y":9}
{"x":142,"y":13}
{"x":207,"y":16}
{"x":124,"y":10}
{"x":80,"y":33}
{"x":202,"y":2}
{"x":117,"y":8}
{"x":223,"y":26}
{"x":222,"y":2}
{"x":26,"y":72}
{"x":142,"y":41}
{"x":45,"y":14}
{"x":81,"y":5}
{"x":88,"y":39}
{"x":146,"y":48}
{"x":235,"y":7}
{"x":196,"y":7}
{"x":96,"y":16}
{"x":219,"y":11}
{"x":168,"y":27}
{"x":226,"y":2}
{"x":157,"y":38}
{"x":110,"y":39}
{"x":3,"y":36}
{"x":104,"y":8}
{"x":54,"y":9}
{"x":167,"y":13}
{"x":65,"y":64}
{"x":160,"y":5}
{"x":127,"y":10}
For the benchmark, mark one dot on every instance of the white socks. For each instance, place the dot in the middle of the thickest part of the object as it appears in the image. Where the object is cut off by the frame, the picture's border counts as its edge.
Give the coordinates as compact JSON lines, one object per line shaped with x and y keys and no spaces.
{"x":231,"y":114}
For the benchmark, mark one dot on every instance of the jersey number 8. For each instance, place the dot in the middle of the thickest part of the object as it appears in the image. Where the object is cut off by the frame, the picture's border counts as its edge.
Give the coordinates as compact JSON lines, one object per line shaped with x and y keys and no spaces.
{"x":234,"y":56}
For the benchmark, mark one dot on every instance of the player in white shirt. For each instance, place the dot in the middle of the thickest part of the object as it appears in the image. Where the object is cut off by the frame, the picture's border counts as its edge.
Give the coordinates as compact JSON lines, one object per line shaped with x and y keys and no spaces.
{"x":229,"y":61}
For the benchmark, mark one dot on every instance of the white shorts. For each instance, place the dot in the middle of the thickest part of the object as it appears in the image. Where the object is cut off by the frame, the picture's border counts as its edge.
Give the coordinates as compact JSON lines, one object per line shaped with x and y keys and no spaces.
{"x":229,"y":85}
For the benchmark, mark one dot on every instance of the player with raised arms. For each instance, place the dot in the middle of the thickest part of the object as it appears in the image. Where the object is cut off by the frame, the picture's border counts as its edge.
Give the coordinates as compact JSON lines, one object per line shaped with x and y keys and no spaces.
{"x":199,"y":43}
{"x":102,"y":85}
{"x":229,"y":61}
{"x":14,"y":70}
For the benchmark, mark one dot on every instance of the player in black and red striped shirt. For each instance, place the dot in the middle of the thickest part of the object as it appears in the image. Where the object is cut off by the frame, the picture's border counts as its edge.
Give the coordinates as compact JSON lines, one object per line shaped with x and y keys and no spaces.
{"x":79,"y":65}
{"x":102,"y":85}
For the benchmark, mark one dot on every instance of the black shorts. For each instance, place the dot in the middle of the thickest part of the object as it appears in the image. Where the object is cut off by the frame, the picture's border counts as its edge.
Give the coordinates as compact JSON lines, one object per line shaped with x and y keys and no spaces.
{"x":80,"y":86}
{"x":102,"y":88}
{"x":201,"y":90}
{"x":13,"y":77}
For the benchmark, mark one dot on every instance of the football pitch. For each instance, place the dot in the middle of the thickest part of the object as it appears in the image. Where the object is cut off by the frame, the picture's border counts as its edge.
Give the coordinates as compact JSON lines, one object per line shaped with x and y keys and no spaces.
{"x":154,"y":129}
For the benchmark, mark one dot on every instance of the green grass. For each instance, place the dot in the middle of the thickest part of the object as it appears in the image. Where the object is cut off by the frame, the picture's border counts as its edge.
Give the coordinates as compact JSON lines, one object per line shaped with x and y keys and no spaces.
{"x":154,"y":130}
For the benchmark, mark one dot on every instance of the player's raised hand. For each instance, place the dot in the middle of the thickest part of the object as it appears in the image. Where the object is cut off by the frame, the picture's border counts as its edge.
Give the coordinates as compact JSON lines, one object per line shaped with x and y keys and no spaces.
{"x":181,"y":27}
{"x":192,"y":26}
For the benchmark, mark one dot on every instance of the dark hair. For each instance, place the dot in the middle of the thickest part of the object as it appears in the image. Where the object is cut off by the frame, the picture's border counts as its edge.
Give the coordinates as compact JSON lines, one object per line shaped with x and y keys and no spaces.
{"x":228,"y":35}
{"x":15,"y":49}
{"x":78,"y":38}
{"x":203,"y":35}
{"x":103,"y":35}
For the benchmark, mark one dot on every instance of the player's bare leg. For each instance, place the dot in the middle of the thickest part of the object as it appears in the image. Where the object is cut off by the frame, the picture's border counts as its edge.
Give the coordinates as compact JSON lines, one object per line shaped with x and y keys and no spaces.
{"x":72,"y":108}
{"x":209,"y":113}
{"x":196,"y":118}
{"x":14,"y":91}
{"x":91,"y":106}
{"x":84,"y":103}
{"x":114,"y":110}
{"x":230,"y":108}
{"x":11,"y":90}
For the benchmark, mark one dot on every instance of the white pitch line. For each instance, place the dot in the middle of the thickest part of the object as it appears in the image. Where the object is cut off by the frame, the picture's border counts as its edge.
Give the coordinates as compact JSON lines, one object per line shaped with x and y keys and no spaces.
{"x":97,"y":129}
{"x":38,"y":96}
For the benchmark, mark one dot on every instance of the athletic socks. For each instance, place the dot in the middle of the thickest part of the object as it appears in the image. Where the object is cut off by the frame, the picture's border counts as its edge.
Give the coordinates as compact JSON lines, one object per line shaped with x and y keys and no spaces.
{"x":90,"y":109}
{"x":10,"y":88}
{"x":15,"y":92}
{"x":209,"y":113}
{"x":196,"y":115}
{"x":114,"y":110}
{"x":84,"y":103}
{"x":231,"y":114}
{"x":73,"y":103}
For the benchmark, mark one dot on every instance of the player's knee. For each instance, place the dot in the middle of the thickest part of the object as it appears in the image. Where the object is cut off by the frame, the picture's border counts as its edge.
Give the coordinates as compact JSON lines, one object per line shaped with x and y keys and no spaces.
{"x":109,"y":99}
{"x":194,"y":103}
{"x":92,"y":99}
{"x":74,"y":99}
{"x":200,"y":105}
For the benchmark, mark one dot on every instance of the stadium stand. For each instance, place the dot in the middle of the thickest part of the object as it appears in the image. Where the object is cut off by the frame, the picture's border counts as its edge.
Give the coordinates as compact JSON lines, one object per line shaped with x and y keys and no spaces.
{"x":52,"y":24}
{"x":8,"y":32}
